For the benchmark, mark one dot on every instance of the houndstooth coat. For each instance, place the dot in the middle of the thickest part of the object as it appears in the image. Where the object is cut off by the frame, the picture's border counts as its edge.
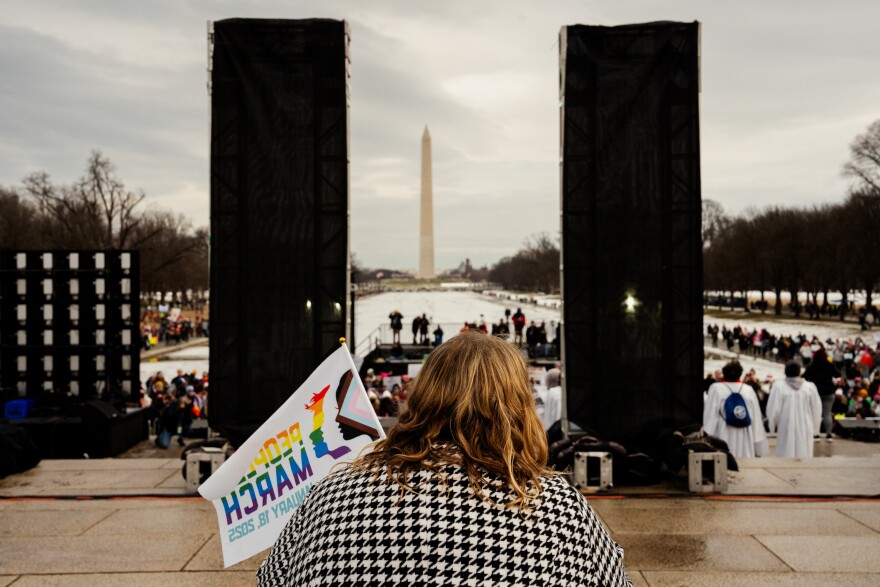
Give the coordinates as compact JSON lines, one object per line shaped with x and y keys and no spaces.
{"x":351,"y":530}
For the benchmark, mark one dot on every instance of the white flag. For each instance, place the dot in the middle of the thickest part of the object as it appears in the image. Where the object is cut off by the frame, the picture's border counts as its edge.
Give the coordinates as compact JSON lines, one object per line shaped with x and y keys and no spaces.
{"x":328,"y":420}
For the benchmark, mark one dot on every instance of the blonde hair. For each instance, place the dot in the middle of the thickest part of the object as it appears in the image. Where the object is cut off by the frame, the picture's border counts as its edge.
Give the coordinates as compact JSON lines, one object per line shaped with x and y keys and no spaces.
{"x":470,"y":405}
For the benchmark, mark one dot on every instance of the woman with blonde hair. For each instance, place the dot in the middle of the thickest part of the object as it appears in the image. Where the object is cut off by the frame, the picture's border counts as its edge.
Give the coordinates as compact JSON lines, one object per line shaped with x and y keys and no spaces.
{"x":457,"y":494}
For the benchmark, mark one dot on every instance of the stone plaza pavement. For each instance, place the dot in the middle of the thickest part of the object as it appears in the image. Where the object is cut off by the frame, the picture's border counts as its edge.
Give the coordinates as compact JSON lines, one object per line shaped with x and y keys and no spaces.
{"x":128,"y":522}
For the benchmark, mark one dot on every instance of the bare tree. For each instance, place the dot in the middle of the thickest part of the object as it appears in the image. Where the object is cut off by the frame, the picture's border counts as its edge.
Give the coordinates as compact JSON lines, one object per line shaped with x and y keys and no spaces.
{"x":97,"y":209}
{"x":863,"y":217}
{"x":19,"y":221}
{"x":173,"y":256}
{"x":714,"y":221}
{"x":864,"y":163}
{"x":819,"y":262}
{"x":106,"y":193}
{"x":533,"y":268}
{"x":75,"y":221}
{"x":99,"y":212}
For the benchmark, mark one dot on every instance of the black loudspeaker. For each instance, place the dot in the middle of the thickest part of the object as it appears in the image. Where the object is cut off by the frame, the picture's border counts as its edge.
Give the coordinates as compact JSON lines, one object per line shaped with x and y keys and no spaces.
{"x":631,"y":249}
{"x":97,"y":411}
{"x":106,"y":432}
{"x":279,"y":211}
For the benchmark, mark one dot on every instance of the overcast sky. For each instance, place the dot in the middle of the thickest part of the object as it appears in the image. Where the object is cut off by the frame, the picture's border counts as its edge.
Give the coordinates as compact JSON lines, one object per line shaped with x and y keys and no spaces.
{"x":786,"y":86}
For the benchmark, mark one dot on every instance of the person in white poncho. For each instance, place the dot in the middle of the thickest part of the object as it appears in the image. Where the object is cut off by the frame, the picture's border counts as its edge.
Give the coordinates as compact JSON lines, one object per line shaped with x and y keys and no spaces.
{"x":794,"y":410}
{"x":743,"y":442}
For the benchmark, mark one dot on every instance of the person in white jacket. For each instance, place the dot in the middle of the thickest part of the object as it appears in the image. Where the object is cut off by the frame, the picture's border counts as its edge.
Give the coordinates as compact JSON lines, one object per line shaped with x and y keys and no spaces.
{"x":748,"y":441}
{"x":794,"y":411}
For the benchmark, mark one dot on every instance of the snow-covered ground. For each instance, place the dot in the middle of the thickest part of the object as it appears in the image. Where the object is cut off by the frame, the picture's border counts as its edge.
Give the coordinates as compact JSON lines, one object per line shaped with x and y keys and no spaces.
{"x":453,"y":308}
{"x":449,"y":308}
{"x":441,"y":306}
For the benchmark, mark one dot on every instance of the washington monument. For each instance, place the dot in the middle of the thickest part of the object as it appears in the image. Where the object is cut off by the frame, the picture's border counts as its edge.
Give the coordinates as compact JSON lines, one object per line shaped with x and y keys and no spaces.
{"x":426,"y":235}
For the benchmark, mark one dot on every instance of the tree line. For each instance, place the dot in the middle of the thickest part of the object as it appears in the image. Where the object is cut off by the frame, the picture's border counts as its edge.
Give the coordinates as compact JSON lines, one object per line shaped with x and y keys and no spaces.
{"x":98,"y":211}
{"x":807,"y":250}
{"x":535,"y":267}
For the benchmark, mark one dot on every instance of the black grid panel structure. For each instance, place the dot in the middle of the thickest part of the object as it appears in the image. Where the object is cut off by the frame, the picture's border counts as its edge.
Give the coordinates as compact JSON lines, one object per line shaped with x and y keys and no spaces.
{"x":69,"y":325}
{"x":279,"y":211}
{"x":631,"y":249}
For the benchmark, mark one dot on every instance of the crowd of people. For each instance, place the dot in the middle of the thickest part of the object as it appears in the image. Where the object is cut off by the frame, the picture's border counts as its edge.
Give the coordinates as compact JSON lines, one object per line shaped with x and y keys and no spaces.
{"x":163,"y":326}
{"x":174,"y":405}
{"x":845,"y":371}
{"x":800,"y":407}
{"x":844,"y":374}
{"x":387,"y":393}
{"x":534,"y":337}
{"x":852,"y":357}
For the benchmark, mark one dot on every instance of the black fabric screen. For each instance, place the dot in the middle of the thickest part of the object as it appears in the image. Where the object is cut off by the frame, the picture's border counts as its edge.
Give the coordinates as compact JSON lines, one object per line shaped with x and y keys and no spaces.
{"x":279,"y":211}
{"x":631,"y":226}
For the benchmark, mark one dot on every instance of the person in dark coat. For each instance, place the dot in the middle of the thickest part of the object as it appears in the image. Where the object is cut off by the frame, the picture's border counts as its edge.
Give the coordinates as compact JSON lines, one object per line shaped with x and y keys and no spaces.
{"x":532,"y":337}
{"x":396,"y":325}
{"x":416,"y":325}
{"x":423,"y":329}
{"x":176,"y":417}
{"x":822,"y":374}
{"x":519,"y":322}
